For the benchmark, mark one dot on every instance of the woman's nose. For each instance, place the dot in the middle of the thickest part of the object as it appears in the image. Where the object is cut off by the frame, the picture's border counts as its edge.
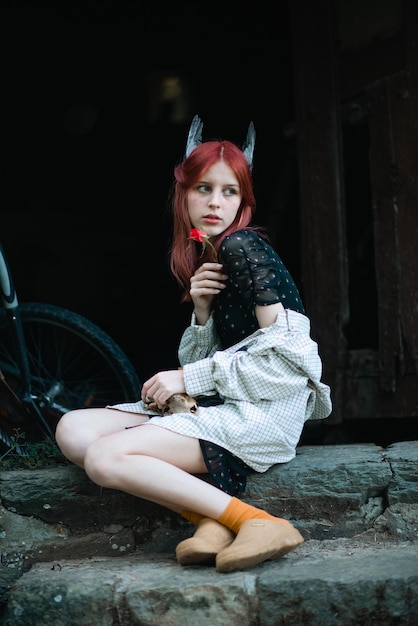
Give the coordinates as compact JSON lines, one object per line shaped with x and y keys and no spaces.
{"x":215,"y":198}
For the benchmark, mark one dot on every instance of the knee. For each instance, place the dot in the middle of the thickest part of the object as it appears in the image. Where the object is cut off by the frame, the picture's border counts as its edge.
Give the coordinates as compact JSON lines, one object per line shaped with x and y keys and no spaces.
{"x":69,"y":436}
{"x":98,"y":465}
{"x":65,"y":430}
{"x":64,"y":427}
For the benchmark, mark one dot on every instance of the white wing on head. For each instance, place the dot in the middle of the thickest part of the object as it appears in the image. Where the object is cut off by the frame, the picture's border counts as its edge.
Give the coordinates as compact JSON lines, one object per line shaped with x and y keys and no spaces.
{"x":248,"y":147}
{"x":195,"y":135}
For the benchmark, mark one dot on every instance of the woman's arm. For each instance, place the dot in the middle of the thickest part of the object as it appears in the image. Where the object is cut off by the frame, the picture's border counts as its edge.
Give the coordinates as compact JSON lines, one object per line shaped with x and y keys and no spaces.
{"x":267,"y":315}
{"x":198,"y":341}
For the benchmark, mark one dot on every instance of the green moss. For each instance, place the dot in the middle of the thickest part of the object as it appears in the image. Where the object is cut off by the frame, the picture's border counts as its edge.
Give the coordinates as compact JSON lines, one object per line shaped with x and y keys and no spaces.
{"x":24,"y":454}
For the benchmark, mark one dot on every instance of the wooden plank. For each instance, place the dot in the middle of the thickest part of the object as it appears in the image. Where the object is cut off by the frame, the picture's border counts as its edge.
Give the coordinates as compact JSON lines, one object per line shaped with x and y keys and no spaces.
{"x":394,"y":175}
{"x":387,"y":264}
{"x":318,"y":126}
{"x":404,"y":106}
{"x":364,"y":65}
{"x":365,"y":398}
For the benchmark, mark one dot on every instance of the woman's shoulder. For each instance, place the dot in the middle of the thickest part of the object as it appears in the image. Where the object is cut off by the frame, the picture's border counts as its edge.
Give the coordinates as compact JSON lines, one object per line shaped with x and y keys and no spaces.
{"x":242,"y":239}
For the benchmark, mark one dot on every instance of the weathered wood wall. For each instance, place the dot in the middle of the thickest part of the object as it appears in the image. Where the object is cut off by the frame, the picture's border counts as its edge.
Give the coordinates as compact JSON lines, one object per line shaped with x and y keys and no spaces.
{"x":368,"y":381}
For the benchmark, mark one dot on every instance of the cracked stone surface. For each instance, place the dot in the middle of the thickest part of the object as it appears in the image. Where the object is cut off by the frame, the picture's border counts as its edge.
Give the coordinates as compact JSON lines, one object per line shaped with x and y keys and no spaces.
{"x":71,"y":551}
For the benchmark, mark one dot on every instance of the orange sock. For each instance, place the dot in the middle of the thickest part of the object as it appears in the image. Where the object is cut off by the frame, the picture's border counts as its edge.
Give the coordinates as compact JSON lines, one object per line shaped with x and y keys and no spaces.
{"x":238,"y":512}
{"x":194,"y":518}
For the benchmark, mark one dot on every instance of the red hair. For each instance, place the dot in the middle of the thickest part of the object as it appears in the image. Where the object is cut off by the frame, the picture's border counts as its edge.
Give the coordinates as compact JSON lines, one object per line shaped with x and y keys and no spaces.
{"x":185,"y":254}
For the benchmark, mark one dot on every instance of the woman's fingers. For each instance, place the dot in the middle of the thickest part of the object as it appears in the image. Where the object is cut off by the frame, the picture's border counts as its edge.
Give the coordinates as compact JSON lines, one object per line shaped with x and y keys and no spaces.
{"x":163,"y":385}
{"x":208,"y":278}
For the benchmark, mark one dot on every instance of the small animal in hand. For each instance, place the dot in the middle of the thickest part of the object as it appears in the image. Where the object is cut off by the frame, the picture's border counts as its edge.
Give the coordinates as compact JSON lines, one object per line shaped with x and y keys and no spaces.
{"x":177,"y":403}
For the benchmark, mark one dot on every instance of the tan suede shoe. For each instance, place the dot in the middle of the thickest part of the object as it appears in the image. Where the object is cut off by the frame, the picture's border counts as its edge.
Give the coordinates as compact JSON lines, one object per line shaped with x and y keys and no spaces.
{"x":210,"y":538}
{"x":258,"y":540}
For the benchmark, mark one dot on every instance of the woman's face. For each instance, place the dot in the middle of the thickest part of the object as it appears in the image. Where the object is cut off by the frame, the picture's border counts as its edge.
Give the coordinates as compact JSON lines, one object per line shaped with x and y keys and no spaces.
{"x":214,"y":200}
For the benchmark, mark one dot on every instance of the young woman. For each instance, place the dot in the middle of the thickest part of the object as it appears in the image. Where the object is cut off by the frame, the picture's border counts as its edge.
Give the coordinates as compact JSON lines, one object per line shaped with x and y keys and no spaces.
{"x":247,"y":357}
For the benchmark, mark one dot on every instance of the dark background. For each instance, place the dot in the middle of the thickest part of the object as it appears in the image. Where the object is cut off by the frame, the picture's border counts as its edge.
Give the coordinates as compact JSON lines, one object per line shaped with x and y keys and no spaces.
{"x":98,"y":98}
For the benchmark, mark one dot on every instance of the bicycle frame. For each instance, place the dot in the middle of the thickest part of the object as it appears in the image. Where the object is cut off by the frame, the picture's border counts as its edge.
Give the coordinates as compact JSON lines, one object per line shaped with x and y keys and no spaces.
{"x":11,"y":304}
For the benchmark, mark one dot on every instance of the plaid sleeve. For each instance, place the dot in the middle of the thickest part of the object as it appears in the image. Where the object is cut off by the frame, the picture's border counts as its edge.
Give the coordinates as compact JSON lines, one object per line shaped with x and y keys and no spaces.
{"x":198,"y":341}
{"x":198,"y":378}
{"x":270,"y":366}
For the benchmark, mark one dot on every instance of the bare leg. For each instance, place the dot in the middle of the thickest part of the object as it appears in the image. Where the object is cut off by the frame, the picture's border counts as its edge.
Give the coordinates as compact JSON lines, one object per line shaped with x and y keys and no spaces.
{"x":77,"y":429}
{"x":159,"y":465}
{"x":148,"y":461}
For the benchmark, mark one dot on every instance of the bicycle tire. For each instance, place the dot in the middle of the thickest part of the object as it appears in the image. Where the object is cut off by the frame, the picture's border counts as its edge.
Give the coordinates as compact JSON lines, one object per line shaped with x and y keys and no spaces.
{"x":73,"y":362}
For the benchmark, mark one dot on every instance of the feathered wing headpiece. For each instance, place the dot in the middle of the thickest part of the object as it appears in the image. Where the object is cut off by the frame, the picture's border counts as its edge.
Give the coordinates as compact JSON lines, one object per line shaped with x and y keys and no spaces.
{"x":248,"y":147}
{"x":195,"y":135}
{"x":194,"y":139}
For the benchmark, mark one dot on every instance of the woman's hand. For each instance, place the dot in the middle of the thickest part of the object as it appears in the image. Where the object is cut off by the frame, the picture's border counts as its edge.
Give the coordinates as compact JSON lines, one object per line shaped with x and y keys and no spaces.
{"x":161,"y":386}
{"x":207,"y":281}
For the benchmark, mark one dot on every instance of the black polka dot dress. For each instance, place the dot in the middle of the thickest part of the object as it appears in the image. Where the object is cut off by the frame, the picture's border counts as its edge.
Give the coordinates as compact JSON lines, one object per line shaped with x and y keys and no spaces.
{"x":255,"y":386}
{"x":257,"y":275}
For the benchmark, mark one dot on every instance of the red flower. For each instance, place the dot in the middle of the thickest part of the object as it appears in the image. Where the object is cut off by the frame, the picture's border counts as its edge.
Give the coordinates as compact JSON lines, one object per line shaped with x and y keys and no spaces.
{"x":202,"y":237}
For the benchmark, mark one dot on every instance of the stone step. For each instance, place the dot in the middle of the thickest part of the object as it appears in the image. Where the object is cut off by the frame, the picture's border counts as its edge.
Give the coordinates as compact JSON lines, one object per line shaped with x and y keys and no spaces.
{"x":335,"y":582}
{"x":76,"y":547}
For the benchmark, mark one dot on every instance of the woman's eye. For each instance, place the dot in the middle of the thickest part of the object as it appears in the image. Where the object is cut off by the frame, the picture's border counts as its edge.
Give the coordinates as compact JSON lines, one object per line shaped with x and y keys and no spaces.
{"x":230,"y":191}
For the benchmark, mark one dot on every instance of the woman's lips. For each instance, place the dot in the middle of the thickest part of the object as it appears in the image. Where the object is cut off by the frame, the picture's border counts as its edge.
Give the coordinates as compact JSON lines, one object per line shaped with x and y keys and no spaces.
{"x":211,"y":220}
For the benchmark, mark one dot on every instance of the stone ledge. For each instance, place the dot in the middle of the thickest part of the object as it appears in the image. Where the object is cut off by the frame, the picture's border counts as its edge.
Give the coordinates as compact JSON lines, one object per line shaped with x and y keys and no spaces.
{"x":328,"y":492}
{"x":340,"y":581}
{"x":343,"y":487}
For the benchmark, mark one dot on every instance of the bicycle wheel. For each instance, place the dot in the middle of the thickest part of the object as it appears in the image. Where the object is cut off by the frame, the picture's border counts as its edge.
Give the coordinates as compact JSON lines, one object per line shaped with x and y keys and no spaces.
{"x":73,"y":363}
